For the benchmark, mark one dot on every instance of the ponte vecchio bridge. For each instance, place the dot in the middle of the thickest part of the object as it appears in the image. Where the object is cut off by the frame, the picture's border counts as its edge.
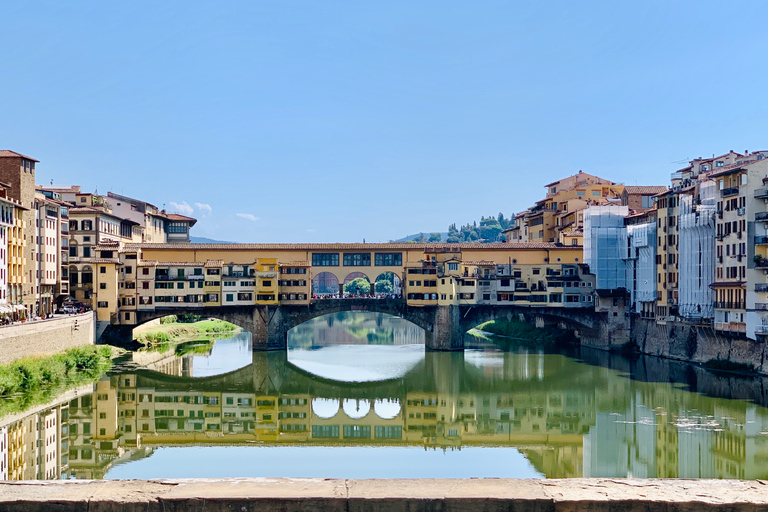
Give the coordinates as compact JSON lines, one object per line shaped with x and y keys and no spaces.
{"x":270,"y":288}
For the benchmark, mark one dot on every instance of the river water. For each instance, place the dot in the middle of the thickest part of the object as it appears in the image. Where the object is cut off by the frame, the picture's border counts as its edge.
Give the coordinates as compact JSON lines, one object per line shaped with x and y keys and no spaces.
{"x":357,"y":396}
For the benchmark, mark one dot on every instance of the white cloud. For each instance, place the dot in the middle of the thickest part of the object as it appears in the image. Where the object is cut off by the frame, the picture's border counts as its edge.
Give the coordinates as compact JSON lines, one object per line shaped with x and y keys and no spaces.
{"x":248,"y":216}
{"x":204,"y":209}
{"x":183,"y":208}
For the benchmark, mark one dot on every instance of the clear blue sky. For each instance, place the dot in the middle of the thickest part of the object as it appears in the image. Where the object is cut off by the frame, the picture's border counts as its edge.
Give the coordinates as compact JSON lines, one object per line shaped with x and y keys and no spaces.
{"x":331,"y":121}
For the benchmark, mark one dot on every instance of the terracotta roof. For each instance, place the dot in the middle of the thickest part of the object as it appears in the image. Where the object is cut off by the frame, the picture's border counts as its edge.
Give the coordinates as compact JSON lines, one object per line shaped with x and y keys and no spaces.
{"x":479,"y":263}
{"x":214,"y":263}
{"x":179,"y":218}
{"x":343,"y":246}
{"x":645,"y":190}
{"x":7,"y":153}
{"x":573,"y":232}
{"x":147,"y":263}
{"x":104,"y":260}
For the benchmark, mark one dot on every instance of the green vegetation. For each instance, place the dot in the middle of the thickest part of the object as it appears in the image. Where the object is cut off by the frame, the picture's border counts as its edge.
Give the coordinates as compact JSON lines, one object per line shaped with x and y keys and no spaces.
{"x":166,"y":335}
{"x":194,"y":348}
{"x":358,"y":286}
{"x":488,"y":231}
{"x":543,"y":336}
{"x":36,"y":380}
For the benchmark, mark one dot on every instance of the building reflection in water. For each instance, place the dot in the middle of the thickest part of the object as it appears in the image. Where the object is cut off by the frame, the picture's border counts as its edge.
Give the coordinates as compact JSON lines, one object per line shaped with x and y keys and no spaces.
{"x":567,"y":417}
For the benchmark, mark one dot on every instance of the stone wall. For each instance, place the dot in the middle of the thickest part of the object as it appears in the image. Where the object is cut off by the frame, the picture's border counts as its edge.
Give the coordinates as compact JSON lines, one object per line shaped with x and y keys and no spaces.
{"x":697,"y":344}
{"x":46,"y":336}
{"x":415,"y":495}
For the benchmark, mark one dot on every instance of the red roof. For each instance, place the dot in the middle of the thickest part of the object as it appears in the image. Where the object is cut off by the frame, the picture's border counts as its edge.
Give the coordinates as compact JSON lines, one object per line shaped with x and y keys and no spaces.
{"x":180,"y":218}
{"x":645,"y":190}
{"x":7,"y":153}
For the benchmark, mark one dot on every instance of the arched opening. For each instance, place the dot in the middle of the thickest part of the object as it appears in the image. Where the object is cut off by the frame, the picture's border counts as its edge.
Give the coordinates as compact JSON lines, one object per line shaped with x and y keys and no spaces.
{"x":357,"y":284}
{"x":325,"y":283}
{"x":356,"y":409}
{"x":356,"y":346}
{"x":388,"y":284}
{"x":387,"y":408}
{"x":192,"y":345}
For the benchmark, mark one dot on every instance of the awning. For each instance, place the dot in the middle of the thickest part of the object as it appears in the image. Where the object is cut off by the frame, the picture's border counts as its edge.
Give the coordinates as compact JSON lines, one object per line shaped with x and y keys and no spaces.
{"x":19,"y":307}
{"x":6,"y":310}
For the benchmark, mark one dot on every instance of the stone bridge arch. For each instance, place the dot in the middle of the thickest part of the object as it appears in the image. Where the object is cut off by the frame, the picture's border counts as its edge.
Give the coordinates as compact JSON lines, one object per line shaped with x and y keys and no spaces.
{"x":583,"y":321}
{"x":289,"y":317}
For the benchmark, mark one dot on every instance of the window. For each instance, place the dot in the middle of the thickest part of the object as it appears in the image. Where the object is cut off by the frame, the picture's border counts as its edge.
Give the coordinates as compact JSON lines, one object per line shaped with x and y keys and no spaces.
{"x":595,"y":193}
{"x":102,"y":304}
{"x":230,"y":297}
{"x":362,"y":259}
{"x":177,"y":227}
{"x":388,"y":259}
{"x":102,"y":286}
{"x":102,"y":270}
{"x":86,"y":252}
{"x":321,"y":259}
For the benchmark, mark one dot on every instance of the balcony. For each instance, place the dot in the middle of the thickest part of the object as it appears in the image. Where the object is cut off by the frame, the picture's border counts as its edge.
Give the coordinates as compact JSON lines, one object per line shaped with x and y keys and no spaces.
{"x":761,"y":240}
{"x":761,"y":329}
{"x":730,"y":305}
{"x":761,"y":193}
{"x":731,"y":191}
{"x":761,"y":306}
{"x":761,"y":288}
{"x":761,"y":217}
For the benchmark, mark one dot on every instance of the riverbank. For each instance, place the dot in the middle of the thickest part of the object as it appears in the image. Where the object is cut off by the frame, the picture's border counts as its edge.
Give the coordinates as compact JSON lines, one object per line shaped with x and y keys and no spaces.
{"x":528,"y":333}
{"x":31,"y":381}
{"x":164,"y":336}
{"x":287,"y":494}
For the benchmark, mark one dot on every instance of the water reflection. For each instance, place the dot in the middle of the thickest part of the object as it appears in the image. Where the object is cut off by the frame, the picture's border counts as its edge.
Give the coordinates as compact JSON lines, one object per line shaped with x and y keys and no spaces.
{"x":356,"y":347}
{"x":566,"y":418}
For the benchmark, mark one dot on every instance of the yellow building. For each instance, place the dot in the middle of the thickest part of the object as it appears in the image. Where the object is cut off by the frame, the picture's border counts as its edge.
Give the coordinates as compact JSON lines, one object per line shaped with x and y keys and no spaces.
{"x":266,"y":281}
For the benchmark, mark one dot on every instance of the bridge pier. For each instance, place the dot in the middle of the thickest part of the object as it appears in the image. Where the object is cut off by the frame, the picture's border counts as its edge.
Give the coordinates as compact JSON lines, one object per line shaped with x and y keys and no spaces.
{"x":444,"y":332}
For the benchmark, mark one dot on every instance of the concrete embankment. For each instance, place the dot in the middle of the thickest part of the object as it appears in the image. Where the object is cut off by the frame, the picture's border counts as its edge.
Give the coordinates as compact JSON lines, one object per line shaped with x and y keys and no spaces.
{"x":45,"y":337}
{"x":284,"y":494}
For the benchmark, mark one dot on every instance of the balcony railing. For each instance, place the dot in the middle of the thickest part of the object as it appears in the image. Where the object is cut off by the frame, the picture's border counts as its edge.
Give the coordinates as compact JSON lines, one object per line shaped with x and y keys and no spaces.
{"x":761,"y":306}
{"x":761,"y":193}
{"x":761,"y":217}
{"x":730,"y":305}
{"x":732,"y":191}
{"x":761,"y":288}
{"x":761,"y":240}
{"x":761,"y":329}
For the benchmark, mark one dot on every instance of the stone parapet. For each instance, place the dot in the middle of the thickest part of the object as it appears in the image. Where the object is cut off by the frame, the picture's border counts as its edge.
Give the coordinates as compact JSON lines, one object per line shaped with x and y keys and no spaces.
{"x":287,"y":494}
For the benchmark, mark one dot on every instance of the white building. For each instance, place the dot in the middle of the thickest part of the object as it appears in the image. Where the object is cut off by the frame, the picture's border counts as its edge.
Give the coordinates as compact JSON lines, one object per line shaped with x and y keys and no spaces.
{"x":641,"y":267}
{"x":696,"y":253}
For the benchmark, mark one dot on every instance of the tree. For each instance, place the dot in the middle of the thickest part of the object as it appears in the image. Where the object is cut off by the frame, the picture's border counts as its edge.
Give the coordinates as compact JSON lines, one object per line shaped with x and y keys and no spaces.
{"x":435,"y":237}
{"x":384,"y":286}
{"x":358,"y":286}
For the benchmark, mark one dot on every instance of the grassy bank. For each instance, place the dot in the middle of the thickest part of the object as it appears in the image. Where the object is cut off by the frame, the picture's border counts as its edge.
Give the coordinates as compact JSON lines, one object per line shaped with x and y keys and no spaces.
{"x":166,"y":335}
{"x":523,"y":331}
{"x":34,"y":380}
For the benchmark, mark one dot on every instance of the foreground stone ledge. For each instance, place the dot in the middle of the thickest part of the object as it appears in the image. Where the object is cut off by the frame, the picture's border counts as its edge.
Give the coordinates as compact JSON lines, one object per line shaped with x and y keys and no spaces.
{"x":287,"y":494}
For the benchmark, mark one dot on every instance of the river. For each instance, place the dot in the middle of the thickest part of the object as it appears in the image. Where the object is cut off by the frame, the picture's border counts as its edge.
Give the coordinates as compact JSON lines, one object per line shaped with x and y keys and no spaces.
{"x":357,"y":396}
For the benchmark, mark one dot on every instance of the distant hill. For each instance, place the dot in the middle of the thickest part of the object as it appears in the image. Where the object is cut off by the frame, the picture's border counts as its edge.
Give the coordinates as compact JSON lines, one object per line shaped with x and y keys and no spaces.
{"x":203,"y":240}
{"x":425,"y":236}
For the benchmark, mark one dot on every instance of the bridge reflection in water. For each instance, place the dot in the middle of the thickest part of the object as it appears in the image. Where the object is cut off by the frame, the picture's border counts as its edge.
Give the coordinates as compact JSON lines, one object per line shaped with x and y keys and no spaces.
{"x":569,"y":418}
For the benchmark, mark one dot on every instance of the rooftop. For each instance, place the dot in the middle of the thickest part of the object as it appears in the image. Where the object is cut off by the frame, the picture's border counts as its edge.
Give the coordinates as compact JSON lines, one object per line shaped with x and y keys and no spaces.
{"x":645,"y":190}
{"x":342,"y":246}
{"x":7,"y":153}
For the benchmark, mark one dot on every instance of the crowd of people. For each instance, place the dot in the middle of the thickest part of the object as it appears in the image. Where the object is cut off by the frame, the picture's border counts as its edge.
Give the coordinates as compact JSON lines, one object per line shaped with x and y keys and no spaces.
{"x":325,"y":296}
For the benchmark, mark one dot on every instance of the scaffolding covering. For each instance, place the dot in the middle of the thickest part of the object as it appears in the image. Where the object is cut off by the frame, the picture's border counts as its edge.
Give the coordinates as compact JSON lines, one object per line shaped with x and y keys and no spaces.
{"x":696,"y":253}
{"x":641,"y":263}
{"x":605,"y":245}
